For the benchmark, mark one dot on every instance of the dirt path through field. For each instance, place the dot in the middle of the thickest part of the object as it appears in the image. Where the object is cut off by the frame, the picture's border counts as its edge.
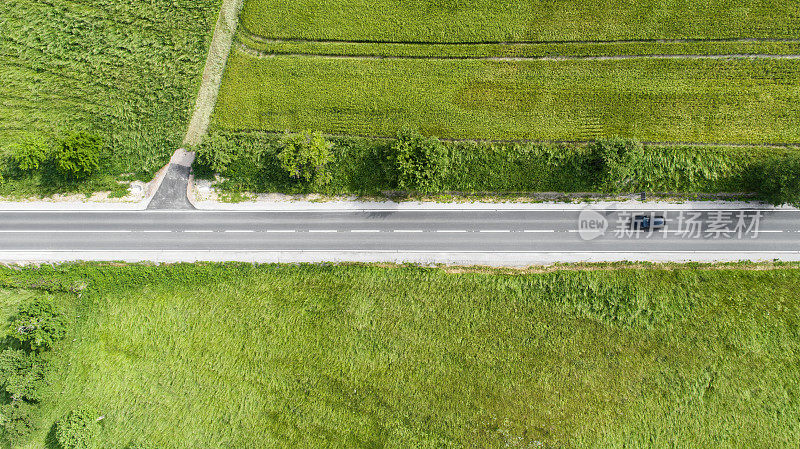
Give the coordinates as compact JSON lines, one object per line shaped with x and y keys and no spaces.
{"x":170,"y":191}
{"x":215,"y":66}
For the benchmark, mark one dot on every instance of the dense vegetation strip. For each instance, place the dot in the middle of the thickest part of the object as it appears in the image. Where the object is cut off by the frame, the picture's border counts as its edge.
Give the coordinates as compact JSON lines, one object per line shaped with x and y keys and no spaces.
{"x":303,"y":163}
{"x":516,"y":50}
{"x":520,"y":20}
{"x":731,"y":101}
{"x":127,"y":71}
{"x":357,"y":356}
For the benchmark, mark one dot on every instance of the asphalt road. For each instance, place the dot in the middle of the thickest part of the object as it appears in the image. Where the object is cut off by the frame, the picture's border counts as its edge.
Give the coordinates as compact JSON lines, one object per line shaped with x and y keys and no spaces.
{"x":421,"y":231}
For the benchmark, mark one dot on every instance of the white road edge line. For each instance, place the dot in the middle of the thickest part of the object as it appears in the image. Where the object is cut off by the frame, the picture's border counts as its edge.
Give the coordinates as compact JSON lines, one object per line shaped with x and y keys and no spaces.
{"x":323,"y":231}
{"x":365,"y":230}
{"x":237,"y":231}
{"x":451,"y":231}
{"x":162,"y":251}
{"x":407,"y":230}
{"x":66,"y":231}
{"x":539,"y":230}
{"x":281,"y":231}
{"x":622,"y":208}
{"x":494,"y":230}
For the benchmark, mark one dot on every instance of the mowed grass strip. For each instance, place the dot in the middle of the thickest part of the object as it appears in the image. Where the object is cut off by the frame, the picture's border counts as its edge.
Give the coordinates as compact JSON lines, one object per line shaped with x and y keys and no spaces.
{"x":410,"y":50}
{"x":209,"y":356}
{"x":520,"y":20}
{"x":729,"y":101}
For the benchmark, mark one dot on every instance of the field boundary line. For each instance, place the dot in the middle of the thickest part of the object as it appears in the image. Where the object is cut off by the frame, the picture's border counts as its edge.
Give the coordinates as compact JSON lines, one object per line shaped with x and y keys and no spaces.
{"x":263,"y":55}
{"x":218,"y":52}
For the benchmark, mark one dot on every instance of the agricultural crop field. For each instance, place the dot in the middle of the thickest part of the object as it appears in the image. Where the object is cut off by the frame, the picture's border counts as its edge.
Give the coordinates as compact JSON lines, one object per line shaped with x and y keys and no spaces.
{"x":233,"y":355}
{"x":662,"y":100}
{"x":520,"y":20}
{"x":126,"y":70}
{"x":697,"y":73}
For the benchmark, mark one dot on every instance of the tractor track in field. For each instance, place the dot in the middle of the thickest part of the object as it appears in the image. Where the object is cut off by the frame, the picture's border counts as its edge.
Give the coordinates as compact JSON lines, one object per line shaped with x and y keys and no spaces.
{"x":262,"y":55}
{"x":217,"y":58}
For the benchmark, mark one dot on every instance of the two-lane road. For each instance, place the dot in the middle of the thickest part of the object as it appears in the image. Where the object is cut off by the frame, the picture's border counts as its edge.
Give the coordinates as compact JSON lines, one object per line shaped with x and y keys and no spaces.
{"x":455,"y":236}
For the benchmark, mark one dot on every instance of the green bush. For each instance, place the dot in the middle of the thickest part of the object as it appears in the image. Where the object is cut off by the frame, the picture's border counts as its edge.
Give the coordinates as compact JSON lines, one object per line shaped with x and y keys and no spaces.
{"x":77,"y":157}
{"x":29,"y":153}
{"x":613,"y":163}
{"x":16,"y":421}
{"x":77,"y":430}
{"x":422,"y":162}
{"x":21,"y":374}
{"x":779,"y":181}
{"x":215,"y":152}
{"x":23,"y":368}
{"x":305,"y":157}
{"x":38,"y":325}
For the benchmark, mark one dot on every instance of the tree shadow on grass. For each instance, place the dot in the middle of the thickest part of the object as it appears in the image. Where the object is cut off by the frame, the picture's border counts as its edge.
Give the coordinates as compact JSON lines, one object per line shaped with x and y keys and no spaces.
{"x":51,"y":441}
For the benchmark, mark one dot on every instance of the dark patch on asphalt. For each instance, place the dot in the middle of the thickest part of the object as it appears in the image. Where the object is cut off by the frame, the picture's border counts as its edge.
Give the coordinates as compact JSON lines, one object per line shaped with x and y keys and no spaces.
{"x":171,"y":195}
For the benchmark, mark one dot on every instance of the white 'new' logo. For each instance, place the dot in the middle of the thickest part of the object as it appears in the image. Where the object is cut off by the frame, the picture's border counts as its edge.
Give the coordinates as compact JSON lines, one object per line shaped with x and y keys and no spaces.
{"x":591,"y":224}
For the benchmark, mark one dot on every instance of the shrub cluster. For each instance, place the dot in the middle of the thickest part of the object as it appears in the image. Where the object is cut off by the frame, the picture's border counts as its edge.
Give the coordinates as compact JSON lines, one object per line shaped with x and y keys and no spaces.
{"x":778,"y":180}
{"x":613,"y":163}
{"x":23,"y":364}
{"x":421,"y":162}
{"x":305,"y":157}
{"x":415,"y":163}
{"x":77,"y":430}
{"x":68,"y":159}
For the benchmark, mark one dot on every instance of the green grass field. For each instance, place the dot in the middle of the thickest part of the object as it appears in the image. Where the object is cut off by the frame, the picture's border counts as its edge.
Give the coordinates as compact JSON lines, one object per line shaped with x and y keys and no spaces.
{"x":128,"y":70}
{"x":211,"y":356}
{"x":520,"y":20}
{"x":731,"y":101}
